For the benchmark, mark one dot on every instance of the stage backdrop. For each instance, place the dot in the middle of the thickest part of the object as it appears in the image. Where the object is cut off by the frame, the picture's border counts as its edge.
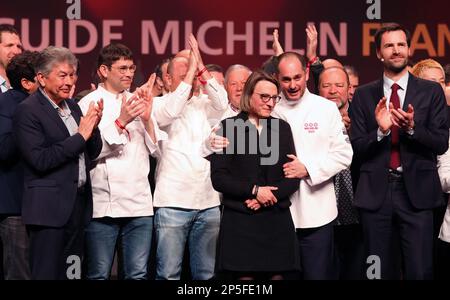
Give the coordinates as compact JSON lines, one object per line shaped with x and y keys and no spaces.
{"x":228,"y":31}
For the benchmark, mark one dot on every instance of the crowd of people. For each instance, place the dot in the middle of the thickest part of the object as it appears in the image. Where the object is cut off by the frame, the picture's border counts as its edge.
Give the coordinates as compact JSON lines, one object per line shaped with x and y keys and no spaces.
{"x":243,"y":174}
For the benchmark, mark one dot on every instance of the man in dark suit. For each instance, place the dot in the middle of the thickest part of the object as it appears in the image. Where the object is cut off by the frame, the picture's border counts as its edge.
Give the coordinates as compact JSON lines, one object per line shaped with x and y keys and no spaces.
{"x":398,"y":129}
{"x":21,"y":75}
{"x":57,"y":145}
{"x":10,"y":45}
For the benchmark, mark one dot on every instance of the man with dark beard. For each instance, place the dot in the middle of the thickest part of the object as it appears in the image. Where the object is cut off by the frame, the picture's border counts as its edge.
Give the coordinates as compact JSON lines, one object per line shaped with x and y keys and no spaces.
{"x":398,"y":129}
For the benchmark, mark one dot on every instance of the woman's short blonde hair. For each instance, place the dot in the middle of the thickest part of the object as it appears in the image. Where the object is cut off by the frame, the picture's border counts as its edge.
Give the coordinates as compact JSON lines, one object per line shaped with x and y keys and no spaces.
{"x":418,"y":68}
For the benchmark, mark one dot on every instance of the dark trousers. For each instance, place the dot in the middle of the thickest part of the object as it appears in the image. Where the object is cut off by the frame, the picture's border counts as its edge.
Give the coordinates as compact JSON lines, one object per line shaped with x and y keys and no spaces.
{"x":413,"y":227}
{"x":15,"y":248}
{"x":51,"y":247}
{"x":350,"y":251}
{"x":317,"y":253}
{"x":443,"y":257}
{"x":441,"y":253}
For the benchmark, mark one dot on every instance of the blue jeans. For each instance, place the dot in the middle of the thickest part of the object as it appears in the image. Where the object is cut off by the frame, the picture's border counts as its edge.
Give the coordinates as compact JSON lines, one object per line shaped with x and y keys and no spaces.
{"x":134,"y":236}
{"x":174,"y":226}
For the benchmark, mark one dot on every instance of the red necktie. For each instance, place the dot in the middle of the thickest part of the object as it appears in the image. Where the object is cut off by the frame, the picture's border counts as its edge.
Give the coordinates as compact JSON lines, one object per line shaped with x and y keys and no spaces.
{"x":395,"y":147}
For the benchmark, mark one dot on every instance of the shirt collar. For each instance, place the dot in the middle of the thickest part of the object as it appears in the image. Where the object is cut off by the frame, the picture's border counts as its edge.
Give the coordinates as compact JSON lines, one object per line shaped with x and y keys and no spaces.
{"x":402,"y":82}
{"x":233,"y":108}
{"x":64,"y":110}
{"x":3,"y":82}
{"x":295,"y":102}
{"x":101,"y":88}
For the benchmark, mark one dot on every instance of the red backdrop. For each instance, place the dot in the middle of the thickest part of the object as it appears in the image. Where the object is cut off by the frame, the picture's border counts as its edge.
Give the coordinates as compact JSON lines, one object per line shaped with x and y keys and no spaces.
{"x":228,"y":31}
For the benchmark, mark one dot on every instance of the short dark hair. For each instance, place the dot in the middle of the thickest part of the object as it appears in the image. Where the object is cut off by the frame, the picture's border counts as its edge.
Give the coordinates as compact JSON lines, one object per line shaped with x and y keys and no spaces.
{"x":22,"y":66}
{"x":7,"y":28}
{"x":214,"y":68}
{"x":112,"y":53}
{"x":250,"y":84}
{"x":300,"y":58}
{"x":270,"y":65}
{"x":158,"y":68}
{"x":351,"y":70}
{"x":388,"y":27}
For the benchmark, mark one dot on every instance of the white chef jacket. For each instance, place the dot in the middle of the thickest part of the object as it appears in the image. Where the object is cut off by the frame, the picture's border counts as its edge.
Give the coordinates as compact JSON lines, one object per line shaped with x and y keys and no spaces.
{"x":183,"y":176}
{"x":120,"y":186}
{"x":444,"y":175}
{"x":325,"y":150}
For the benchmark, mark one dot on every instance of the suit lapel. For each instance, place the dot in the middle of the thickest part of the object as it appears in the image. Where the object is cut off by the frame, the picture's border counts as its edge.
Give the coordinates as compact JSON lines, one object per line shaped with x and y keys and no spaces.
{"x":411,"y":91}
{"x":52,"y":113}
{"x":378,"y":91}
{"x":75,"y":113}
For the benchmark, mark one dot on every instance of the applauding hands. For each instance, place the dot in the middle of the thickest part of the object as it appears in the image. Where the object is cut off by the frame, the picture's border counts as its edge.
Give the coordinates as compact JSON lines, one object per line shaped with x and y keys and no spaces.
{"x":90,"y":121}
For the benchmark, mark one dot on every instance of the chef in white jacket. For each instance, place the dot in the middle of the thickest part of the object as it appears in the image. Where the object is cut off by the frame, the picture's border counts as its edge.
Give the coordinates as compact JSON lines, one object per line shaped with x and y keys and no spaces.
{"x":187,"y":205}
{"x":323,"y":149}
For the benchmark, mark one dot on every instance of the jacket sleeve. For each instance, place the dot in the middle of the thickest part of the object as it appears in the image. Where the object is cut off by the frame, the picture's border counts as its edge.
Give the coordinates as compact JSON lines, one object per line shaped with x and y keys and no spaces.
{"x":218,"y":100}
{"x":286,"y":186}
{"x":364,"y":140}
{"x":434,"y":134}
{"x":444,"y":170}
{"x":221,"y":176}
{"x":94,"y":144}
{"x":166,"y":110}
{"x":8,"y":148}
{"x":224,"y":182}
{"x":339,"y":156}
{"x":112,"y":141}
{"x":31,"y":140}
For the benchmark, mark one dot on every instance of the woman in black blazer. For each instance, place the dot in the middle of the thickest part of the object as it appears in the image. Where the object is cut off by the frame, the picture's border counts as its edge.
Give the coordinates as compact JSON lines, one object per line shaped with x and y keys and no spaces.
{"x":257,"y":236}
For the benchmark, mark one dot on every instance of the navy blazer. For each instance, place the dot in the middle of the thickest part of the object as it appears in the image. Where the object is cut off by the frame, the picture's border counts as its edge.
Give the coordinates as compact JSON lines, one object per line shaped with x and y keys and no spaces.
{"x":11,"y":172}
{"x":51,"y":158}
{"x":417,"y":152}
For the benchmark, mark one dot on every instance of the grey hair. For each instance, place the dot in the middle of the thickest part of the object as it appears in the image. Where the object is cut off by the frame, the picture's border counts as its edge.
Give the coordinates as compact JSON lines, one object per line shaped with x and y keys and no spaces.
{"x":54,"y":55}
{"x":235,"y":67}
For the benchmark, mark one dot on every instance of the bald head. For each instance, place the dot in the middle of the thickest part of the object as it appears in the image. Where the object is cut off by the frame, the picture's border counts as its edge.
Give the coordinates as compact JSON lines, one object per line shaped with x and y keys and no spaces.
{"x":328,"y":63}
{"x":184,"y":53}
{"x":177,"y":70}
{"x":235,"y":79}
{"x":292,"y":75}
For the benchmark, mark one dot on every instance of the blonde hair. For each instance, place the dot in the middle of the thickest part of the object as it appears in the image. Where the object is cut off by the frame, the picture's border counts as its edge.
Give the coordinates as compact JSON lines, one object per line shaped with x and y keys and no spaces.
{"x":418,"y":68}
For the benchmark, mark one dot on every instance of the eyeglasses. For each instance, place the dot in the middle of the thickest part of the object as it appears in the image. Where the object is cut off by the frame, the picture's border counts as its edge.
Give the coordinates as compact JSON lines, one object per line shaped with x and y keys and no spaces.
{"x":124,"y":69}
{"x":266,"y":97}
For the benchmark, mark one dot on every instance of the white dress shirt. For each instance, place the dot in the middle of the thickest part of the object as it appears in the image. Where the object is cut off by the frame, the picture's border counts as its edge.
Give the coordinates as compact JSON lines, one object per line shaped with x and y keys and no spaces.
{"x":120,"y":185}
{"x":387,"y":90}
{"x":3,"y":85}
{"x":444,"y":175}
{"x":323,"y":148}
{"x":65,"y":114}
{"x":183,"y":175}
